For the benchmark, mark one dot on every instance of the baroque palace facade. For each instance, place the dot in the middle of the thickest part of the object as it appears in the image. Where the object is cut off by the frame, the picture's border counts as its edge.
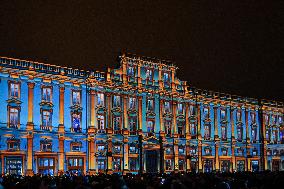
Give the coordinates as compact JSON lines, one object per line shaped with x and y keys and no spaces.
{"x":134,"y":119}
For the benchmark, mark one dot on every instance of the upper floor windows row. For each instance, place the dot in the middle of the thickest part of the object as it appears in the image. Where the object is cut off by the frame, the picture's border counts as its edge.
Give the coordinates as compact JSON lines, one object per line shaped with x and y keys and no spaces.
{"x":149,"y":74}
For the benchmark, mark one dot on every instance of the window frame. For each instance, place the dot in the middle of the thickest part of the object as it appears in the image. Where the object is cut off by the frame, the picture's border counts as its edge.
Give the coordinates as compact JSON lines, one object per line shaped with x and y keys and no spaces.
{"x":10,"y":83}
{"x":43,"y":88}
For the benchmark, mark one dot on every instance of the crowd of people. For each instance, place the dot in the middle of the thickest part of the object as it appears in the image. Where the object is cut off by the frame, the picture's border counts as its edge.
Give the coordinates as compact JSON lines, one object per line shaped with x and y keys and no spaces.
{"x":245,"y":180}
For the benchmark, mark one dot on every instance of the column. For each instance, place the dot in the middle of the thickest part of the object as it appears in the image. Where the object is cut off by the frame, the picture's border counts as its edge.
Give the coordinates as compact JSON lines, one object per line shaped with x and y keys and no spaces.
{"x":233,"y":138}
{"x":188,"y":158}
{"x":125,"y":115}
{"x":199,"y":139}
{"x":109,"y":116}
{"x":174,"y":119}
{"x":216,"y":138}
{"x":161,"y":111}
{"x":216,"y":122}
{"x":61,"y":155}
{"x":30,"y":128}
{"x":247,"y":141}
{"x":61,"y":131}
{"x":124,"y":70}
{"x":109,"y":156}
{"x":125,"y":156}
{"x":140,"y":114}
{"x":173,"y":80}
{"x":176,"y":167}
{"x":92,"y":108}
{"x":161,"y":86}
{"x":139,"y":79}
{"x":217,"y":164}
{"x":91,"y":155}
{"x":265,"y":166}
{"x":187,"y":132}
{"x":61,"y":107}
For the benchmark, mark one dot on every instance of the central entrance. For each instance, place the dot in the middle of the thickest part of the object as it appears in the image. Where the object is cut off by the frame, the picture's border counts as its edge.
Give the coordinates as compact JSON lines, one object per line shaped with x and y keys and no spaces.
{"x":151,"y":161}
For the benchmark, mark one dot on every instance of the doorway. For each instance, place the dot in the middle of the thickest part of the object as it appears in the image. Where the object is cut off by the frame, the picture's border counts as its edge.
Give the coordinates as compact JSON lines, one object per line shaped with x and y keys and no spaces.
{"x":275,"y":165}
{"x":151,"y":161}
{"x":225,"y":166}
{"x":208,"y":166}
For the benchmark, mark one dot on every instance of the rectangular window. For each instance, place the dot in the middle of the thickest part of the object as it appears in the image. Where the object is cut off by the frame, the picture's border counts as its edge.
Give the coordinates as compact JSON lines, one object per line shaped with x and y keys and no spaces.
{"x":14,"y":121}
{"x":266,"y":119}
{"x":101,"y":148}
{"x":101,"y":122}
{"x":167,"y":107}
{"x":132,"y":103}
{"x":239,"y":115}
{"x":116,"y":164}
{"x":240,"y":133}
{"x":169,"y":165}
{"x":46,"y":94}
{"x":13,"y":145}
{"x":133,"y":150}
{"x":131,"y":71}
{"x":46,"y":145}
{"x":267,"y":134}
{"x":132,"y":125}
{"x":180,"y":128}
{"x":191,"y":110}
{"x":253,"y":133}
{"x":181,"y":164}
{"x":76,"y":97}
{"x":206,"y":113}
{"x":166,"y":79}
{"x":76,"y":164}
{"x":46,"y":120}
{"x":132,"y":164}
{"x":101,"y":164}
{"x":116,"y":149}
{"x":116,"y":124}
{"x":14,"y":90}
{"x":116,"y":101}
{"x":275,"y":136}
{"x":192,"y":129}
{"x":168,"y":127}
{"x":252,"y":116}
{"x":101,"y":99}
{"x":150,"y":105}
{"x":180,"y":109}
{"x":223,"y":114}
{"x":46,"y":166}
{"x":76,"y":122}
{"x":207,"y":132}
{"x":224,"y":132}
{"x":149,"y":74}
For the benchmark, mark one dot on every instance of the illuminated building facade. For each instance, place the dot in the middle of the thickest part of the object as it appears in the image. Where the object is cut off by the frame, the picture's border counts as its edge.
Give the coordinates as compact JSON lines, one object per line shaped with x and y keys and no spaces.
{"x":137,"y":118}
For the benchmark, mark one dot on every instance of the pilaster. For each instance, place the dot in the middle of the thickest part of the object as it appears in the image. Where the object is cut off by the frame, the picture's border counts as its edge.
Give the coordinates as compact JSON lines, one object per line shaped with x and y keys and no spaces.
{"x":187,"y":132}
{"x":161,"y":110}
{"x":140,"y":113}
{"x":61,"y":108}
{"x":176,"y":167}
{"x":174,"y":103}
{"x":125,"y":156}
{"x":30,"y":128}
{"x":92,"y":154}
{"x":109,"y":156}
{"x":109,"y":114}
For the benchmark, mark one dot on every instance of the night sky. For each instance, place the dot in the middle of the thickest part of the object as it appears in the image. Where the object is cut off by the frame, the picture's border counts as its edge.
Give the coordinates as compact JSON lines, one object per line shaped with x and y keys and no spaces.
{"x":226,"y":46}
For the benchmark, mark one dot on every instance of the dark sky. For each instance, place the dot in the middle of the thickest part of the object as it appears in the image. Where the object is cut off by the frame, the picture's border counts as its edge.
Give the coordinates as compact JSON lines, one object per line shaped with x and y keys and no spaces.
{"x":228,"y":46}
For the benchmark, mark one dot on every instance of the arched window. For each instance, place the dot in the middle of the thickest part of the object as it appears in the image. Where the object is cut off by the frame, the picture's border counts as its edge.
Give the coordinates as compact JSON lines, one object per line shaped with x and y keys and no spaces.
{"x":150,"y":126}
{"x":206,"y":112}
{"x":116,"y":101}
{"x":223,"y":114}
